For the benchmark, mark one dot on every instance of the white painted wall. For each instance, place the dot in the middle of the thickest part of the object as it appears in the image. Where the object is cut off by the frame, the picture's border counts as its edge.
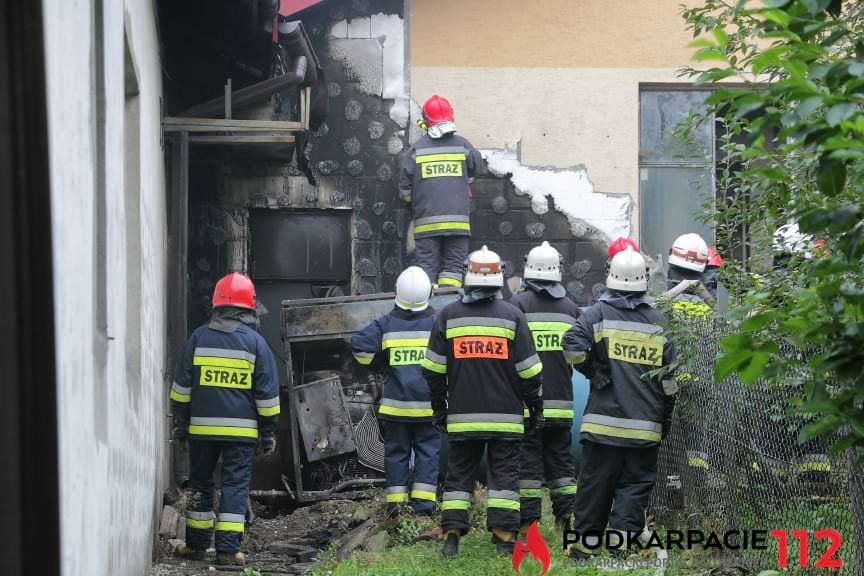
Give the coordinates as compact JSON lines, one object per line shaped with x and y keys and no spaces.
{"x":111,"y":441}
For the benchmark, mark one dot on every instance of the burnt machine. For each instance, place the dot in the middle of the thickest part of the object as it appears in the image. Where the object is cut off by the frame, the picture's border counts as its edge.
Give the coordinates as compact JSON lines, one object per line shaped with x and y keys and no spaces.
{"x":329,"y":444}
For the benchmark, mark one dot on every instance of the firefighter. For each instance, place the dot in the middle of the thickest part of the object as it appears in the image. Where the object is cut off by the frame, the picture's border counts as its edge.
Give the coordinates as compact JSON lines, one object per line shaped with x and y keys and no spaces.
{"x":619,"y":344}
{"x":225,"y":400}
{"x":435,"y":177}
{"x":401,"y":337}
{"x":619,"y":244}
{"x":687,"y":261}
{"x":482,"y":371}
{"x":547,"y":451}
{"x":711,"y":276}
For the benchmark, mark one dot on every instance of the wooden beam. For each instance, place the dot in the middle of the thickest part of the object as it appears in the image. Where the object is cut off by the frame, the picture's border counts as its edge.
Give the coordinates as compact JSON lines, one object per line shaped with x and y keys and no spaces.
{"x":245,"y":96}
{"x":183,"y":124}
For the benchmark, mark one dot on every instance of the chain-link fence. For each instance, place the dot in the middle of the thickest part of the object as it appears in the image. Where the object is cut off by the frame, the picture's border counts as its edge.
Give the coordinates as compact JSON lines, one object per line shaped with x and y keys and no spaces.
{"x":733,"y":461}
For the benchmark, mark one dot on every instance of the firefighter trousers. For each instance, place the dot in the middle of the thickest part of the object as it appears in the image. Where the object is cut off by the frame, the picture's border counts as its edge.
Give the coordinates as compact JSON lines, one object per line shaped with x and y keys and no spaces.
{"x":230,"y":524}
{"x":545,"y":453}
{"x":400,"y":439}
{"x":616,"y":474}
{"x":502,"y":479}
{"x":442,"y":258}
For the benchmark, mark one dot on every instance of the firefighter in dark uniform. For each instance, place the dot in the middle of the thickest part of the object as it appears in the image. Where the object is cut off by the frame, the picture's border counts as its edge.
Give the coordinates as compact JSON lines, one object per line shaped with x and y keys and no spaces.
{"x":621,"y":339}
{"x":482,"y":370}
{"x":225,"y":400}
{"x":547,"y":451}
{"x":406,"y":409}
{"x":434,"y":180}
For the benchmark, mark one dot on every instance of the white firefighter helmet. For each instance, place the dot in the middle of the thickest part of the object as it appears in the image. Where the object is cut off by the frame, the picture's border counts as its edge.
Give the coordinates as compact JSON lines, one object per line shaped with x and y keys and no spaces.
{"x":788,"y":239}
{"x":543,"y":263}
{"x":627,"y":272}
{"x":484,"y":269}
{"x":689,"y":251}
{"x":413,"y":289}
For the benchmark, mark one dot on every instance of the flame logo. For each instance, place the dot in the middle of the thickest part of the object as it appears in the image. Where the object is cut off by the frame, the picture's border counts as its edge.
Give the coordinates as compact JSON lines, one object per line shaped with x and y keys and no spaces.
{"x":534,"y":545}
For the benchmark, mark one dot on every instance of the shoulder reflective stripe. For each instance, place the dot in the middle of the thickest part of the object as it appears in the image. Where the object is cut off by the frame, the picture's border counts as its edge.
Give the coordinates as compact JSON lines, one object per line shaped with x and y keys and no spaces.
{"x":670,"y":386}
{"x":631,"y":423}
{"x":442,"y":226}
{"x":559,"y":482}
{"x":481,"y":321}
{"x":502,"y":503}
{"x":480,"y":331}
{"x":442,"y":218}
{"x":530,"y":484}
{"x":415,"y":338}
{"x":537,"y":326}
{"x":575,"y":357}
{"x":226,"y":353}
{"x":456,"y":495}
{"x":433,"y":366}
{"x":527,"y":363}
{"x":440,"y":150}
{"x":613,"y":432}
{"x":484,"y":417}
{"x":455,"y":505}
{"x":238,"y":422}
{"x":486,"y":427}
{"x":557,"y":404}
{"x":193,"y":515}
{"x":228,"y":517}
{"x":504,"y":494}
{"x":550,"y":317}
{"x":531,"y":371}
{"x":439,"y":158}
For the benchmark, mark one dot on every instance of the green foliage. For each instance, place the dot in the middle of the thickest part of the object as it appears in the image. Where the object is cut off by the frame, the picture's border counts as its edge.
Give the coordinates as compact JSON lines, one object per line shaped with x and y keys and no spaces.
{"x":407,"y":530}
{"x":792,"y":150}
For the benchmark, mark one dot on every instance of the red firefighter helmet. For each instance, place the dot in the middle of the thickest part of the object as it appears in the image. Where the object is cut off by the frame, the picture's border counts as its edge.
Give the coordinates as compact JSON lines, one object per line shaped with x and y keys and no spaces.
{"x":234,"y":290}
{"x":620,"y":244}
{"x":714,"y":259}
{"x":437,"y":110}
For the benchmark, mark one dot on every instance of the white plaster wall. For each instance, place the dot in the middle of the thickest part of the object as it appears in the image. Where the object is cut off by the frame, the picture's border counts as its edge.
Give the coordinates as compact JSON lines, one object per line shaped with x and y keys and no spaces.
{"x":111,"y":442}
{"x":558,"y":117}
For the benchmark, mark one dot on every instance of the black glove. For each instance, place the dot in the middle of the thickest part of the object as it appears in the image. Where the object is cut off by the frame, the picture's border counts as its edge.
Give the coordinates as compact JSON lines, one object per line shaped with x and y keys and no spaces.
{"x":266,"y":447}
{"x":180,"y":433}
{"x":439,"y":416}
{"x":536,"y":419}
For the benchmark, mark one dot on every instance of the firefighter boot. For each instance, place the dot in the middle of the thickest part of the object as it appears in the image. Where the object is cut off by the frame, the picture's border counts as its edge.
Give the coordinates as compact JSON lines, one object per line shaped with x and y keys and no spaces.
{"x":505,"y":541}
{"x":229,"y":559}
{"x":188,"y":553}
{"x":451,"y":543}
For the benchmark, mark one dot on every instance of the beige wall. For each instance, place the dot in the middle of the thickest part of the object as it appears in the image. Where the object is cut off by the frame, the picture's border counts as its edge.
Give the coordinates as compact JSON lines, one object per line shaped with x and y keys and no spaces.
{"x":560,"y":78}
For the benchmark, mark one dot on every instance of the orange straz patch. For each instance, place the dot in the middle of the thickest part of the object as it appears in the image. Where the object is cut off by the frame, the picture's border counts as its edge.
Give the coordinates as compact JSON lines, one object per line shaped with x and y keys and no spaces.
{"x":480,"y":347}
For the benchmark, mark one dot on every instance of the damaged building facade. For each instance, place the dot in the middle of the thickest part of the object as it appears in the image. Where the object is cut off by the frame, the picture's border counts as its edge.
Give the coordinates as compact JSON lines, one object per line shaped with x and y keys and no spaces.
{"x":187,"y":141}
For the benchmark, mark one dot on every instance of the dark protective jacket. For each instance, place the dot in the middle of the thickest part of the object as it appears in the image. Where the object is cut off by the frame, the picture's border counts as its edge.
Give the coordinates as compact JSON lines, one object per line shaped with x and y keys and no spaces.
{"x":688,"y":303}
{"x":226,"y":386}
{"x":401,"y":336}
{"x":434,"y":179}
{"x":549,"y":319}
{"x":624,"y":337}
{"x":481,"y":361}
